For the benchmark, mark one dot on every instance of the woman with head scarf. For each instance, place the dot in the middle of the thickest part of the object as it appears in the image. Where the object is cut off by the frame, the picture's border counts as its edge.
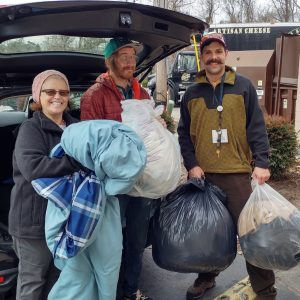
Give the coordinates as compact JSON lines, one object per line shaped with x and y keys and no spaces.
{"x":36,"y":138}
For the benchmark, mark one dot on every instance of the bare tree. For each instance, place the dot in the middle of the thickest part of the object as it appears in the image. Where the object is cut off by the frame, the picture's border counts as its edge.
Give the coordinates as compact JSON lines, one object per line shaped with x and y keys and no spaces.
{"x":297,"y":3}
{"x":19,"y":46}
{"x":240,"y":11}
{"x":248,"y":7}
{"x":285,"y":10}
{"x":204,"y":9}
{"x":265,"y":14}
{"x":207,"y":10}
{"x":175,"y":5}
{"x":233,"y":10}
{"x":178,"y":5}
{"x":58,"y":43}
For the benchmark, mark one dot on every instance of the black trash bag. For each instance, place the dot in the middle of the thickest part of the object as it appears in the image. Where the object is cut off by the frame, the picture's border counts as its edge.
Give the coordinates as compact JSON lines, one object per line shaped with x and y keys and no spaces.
{"x":192,"y":231}
{"x":269,"y":230}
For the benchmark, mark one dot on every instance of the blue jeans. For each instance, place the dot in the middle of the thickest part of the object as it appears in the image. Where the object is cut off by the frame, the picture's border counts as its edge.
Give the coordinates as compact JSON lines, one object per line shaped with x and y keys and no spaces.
{"x":135,"y":215}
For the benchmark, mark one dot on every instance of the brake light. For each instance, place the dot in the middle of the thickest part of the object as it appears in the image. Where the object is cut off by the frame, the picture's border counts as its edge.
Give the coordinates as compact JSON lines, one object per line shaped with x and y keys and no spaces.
{"x":2,"y":279}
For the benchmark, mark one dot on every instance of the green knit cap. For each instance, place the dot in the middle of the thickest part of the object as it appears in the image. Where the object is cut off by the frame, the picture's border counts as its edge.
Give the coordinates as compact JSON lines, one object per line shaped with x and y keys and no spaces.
{"x":118,"y":43}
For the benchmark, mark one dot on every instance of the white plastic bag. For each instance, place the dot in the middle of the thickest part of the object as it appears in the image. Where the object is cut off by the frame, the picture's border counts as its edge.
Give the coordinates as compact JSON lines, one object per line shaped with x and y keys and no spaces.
{"x":162,"y":172}
{"x":269,"y":230}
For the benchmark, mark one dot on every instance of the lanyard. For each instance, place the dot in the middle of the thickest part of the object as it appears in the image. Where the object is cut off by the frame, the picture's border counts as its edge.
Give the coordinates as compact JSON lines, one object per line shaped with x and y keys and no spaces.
{"x":219,"y":110}
{"x":220,"y":99}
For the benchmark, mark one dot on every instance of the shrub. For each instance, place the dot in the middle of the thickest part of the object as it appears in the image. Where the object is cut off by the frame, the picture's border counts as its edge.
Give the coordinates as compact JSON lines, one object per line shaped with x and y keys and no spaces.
{"x":169,"y":121}
{"x":283,"y":146}
{"x":145,"y":83}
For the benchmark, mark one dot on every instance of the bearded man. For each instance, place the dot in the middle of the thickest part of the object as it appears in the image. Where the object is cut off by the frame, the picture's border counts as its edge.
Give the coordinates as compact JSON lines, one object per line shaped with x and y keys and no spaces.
{"x":103,"y":101}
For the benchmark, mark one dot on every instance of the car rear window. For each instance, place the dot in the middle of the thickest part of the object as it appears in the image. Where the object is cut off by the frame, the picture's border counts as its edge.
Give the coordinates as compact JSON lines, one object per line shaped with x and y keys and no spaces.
{"x":47,"y":43}
{"x":20,"y":102}
{"x":14,"y":103}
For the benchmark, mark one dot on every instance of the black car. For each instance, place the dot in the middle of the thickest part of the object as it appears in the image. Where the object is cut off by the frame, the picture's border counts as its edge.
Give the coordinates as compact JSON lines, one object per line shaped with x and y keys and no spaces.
{"x":181,"y":75}
{"x":69,"y":36}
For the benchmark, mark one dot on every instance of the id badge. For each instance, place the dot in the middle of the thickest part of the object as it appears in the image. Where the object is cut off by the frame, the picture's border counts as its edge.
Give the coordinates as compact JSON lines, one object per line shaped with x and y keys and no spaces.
{"x":224,"y":136}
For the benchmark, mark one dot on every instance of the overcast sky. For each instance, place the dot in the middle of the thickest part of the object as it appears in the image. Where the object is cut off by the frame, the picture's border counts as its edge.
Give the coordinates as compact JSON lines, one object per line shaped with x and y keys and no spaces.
{"x":218,"y":17}
{"x":12,"y":2}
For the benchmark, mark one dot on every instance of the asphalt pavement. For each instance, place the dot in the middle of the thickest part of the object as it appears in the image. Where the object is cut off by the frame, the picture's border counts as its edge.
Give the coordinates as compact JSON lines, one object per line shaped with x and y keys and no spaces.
{"x":231,"y":284}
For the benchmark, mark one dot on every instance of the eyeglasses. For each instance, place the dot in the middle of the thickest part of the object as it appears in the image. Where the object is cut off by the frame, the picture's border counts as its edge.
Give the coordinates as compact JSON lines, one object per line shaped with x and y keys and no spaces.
{"x":125,"y":58}
{"x":52,"y":92}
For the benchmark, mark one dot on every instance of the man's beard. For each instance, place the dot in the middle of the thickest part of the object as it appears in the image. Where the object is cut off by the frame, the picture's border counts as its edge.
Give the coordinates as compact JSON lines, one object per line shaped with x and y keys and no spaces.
{"x":121,"y":72}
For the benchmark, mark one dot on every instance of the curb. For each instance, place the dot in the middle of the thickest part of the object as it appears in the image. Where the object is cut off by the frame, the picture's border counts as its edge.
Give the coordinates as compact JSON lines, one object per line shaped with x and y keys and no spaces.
{"x":242,"y":290}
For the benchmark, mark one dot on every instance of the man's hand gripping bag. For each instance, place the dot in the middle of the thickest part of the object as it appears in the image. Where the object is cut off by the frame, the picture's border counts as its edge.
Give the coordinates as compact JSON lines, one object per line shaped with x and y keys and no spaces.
{"x":192,"y":231}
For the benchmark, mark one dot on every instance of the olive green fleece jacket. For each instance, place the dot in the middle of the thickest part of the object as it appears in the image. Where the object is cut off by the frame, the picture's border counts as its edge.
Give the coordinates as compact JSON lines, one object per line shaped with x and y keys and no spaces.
{"x":241,"y":116}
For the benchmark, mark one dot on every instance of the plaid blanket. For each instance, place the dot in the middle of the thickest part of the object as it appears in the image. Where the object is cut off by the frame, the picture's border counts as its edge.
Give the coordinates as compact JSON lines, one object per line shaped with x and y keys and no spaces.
{"x":79,"y":196}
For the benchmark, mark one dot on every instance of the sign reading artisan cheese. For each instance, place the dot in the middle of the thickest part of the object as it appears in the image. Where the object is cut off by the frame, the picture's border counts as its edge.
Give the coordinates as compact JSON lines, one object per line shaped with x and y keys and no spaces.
{"x":244,"y":30}
{"x":254,"y":36}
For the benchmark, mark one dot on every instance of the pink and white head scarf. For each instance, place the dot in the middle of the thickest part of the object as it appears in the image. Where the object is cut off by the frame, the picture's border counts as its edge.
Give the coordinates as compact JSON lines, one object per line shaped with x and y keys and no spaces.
{"x":39,"y":80}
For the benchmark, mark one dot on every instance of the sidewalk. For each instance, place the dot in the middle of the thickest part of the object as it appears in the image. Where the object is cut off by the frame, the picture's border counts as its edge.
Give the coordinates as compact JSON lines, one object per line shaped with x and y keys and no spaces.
{"x":164,"y":285}
{"x":290,"y":279}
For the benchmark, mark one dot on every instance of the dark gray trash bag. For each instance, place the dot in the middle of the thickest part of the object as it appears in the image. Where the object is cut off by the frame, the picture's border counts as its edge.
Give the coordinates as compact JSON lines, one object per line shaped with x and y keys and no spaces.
{"x":269,"y":230}
{"x":192,"y":231}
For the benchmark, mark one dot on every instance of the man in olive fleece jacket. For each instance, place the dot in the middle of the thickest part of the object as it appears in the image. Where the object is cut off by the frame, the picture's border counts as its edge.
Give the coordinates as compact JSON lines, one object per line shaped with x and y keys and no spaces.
{"x":220,"y":128}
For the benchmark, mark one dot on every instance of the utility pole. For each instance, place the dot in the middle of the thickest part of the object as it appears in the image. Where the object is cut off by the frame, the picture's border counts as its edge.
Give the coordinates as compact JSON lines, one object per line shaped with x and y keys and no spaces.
{"x":161,"y":69}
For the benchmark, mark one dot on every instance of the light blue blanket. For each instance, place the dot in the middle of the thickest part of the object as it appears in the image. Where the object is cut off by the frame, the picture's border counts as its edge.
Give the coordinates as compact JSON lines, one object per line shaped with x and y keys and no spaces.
{"x":117,"y":156}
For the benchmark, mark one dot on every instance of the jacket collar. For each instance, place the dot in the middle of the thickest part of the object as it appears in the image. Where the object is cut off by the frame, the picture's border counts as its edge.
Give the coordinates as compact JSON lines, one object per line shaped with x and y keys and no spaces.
{"x":108,"y":82}
{"x":230,"y":76}
{"x":48,"y":124}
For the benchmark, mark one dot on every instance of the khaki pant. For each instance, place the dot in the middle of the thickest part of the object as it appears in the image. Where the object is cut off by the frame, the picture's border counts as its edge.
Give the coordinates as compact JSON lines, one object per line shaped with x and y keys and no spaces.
{"x":36,"y":271}
{"x":238,"y":189}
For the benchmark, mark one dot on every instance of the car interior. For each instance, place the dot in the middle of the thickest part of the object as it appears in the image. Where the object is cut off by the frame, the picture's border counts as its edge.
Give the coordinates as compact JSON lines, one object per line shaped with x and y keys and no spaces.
{"x":9,"y":121}
{"x":30,"y":28}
